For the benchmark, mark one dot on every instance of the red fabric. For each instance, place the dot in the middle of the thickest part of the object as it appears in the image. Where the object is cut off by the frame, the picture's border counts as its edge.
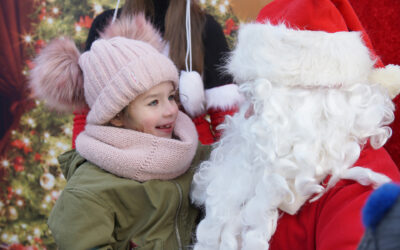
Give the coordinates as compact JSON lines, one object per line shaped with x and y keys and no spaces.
{"x":381,"y":19}
{"x":393,"y":144}
{"x":217,"y":116}
{"x":203,"y":129}
{"x":308,"y":15}
{"x":79,"y":124}
{"x":333,"y":221}
{"x":14,"y":24}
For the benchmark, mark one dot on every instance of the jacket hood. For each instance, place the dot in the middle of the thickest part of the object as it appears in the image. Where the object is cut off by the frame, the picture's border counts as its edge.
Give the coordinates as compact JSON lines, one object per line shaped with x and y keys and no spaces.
{"x":70,"y":161}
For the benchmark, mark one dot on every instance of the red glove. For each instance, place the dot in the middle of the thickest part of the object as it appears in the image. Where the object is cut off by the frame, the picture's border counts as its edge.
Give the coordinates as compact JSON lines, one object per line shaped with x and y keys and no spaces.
{"x":79,"y":124}
{"x":221,"y":101}
{"x":203,"y":128}
{"x":217,"y":117}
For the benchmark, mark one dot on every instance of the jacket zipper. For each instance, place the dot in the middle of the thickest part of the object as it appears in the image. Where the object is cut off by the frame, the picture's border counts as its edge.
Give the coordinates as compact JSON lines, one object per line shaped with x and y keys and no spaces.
{"x":178,"y":237}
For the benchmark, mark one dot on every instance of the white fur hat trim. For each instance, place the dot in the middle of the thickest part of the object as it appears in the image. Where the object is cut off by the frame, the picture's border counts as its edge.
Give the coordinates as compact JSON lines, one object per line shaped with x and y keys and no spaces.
{"x":303,"y":58}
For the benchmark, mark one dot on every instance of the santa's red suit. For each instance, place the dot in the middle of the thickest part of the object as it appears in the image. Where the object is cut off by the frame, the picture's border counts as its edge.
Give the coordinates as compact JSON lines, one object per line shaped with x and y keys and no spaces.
{"x":334,"y":220}
{"x":297,"y":162}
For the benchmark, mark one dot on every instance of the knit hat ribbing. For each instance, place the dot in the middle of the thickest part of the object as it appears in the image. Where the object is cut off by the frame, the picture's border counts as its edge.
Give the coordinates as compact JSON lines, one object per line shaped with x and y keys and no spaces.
{"x":116,"y":71}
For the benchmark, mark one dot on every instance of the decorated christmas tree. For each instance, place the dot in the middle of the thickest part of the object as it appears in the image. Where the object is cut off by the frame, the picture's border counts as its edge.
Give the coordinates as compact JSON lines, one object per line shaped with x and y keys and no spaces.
{"x":221,"y":11}
{"x":30,"y":177}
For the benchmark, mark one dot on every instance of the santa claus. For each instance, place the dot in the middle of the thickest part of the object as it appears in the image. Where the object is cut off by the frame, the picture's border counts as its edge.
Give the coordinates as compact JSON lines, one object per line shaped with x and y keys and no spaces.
{"x":297,"y":162}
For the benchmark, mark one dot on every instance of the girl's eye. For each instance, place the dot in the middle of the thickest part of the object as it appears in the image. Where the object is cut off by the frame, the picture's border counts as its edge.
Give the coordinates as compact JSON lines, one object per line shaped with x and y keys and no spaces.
{"x":171,"y":97}
{"x":153,"y":103}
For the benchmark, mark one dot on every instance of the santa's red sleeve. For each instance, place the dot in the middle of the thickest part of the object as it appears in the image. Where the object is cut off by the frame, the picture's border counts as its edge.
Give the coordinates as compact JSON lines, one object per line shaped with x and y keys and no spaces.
{"x":339,"y":225}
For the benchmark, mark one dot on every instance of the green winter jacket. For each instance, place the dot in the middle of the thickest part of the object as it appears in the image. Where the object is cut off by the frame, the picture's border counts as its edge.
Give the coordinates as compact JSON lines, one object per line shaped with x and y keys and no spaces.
{"x":98,"y":210}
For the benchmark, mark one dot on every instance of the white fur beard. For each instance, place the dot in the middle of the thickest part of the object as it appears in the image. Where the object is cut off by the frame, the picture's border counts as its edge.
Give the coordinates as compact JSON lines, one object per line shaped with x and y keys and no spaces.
{"x":277,"y":158}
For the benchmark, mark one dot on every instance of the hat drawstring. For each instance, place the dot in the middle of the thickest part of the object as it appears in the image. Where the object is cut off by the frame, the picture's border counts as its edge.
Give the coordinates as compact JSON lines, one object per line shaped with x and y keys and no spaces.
{"x":191,"y":87}
{"x":188,"y":39}
{"x":115,"y":12}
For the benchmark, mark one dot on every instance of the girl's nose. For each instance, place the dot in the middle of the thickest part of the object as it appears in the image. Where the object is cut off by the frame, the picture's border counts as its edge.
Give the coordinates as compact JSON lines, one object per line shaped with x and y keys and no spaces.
{"x":170,"y":108}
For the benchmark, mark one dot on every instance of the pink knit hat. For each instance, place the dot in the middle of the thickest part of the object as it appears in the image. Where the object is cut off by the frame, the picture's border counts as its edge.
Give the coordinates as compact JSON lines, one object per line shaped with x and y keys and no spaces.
{"x":111,"y":74}
{"x":115,"y":71}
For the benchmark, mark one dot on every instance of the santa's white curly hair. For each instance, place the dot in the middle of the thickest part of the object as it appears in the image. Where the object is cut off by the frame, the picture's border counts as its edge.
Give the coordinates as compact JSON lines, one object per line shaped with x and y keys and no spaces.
{"x":311,"y":119}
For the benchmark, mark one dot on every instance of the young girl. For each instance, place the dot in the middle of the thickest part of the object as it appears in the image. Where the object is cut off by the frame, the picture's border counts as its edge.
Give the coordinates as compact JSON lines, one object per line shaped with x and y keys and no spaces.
{"x":215,"y":96}
{"x":129,"y":178}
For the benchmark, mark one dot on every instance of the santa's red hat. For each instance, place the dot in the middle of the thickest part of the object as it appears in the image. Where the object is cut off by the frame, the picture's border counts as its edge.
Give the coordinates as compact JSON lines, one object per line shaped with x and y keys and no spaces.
{"x":330,"y":16}
{"x":317,"y":15}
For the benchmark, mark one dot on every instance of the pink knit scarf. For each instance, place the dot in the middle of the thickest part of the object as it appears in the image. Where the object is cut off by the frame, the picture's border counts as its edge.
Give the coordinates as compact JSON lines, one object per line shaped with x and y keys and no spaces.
{"x":139,"y":156}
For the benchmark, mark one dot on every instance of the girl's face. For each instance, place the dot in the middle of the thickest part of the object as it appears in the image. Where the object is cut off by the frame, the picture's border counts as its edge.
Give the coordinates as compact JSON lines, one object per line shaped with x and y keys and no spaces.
{"x":153,"y":112}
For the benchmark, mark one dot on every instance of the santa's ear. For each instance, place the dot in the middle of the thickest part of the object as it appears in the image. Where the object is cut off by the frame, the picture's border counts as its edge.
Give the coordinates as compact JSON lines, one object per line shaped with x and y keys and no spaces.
{"x":117,"y":121}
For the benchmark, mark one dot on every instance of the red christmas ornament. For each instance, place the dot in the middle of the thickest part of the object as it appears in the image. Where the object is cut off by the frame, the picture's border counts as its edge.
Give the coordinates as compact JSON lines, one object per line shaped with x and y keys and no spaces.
{"x":18,"y":160}
{"x":17,"y":247}
{"x":85,"y":21}
{"x":30,"y":64}
{"x":27,"y":149}
{"x":38,"y":240}
{"x":18,"y":168}
{"x":9,"y":193}
{"x":42,"y":14}
{"x":38,"y":157}
{"x":18,"y":144}
{"x":230,"y":26}
{"x":39,"y":44}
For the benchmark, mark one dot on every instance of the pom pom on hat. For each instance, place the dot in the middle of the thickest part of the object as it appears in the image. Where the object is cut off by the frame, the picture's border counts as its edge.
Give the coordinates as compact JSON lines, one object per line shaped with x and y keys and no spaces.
{"x":191,"y":87}
{"x":388,"y":77}
{"x":135,"y":27}
{"x":191,"y":93}
{"x":57,"y":78}
{"x":380,"y":201}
